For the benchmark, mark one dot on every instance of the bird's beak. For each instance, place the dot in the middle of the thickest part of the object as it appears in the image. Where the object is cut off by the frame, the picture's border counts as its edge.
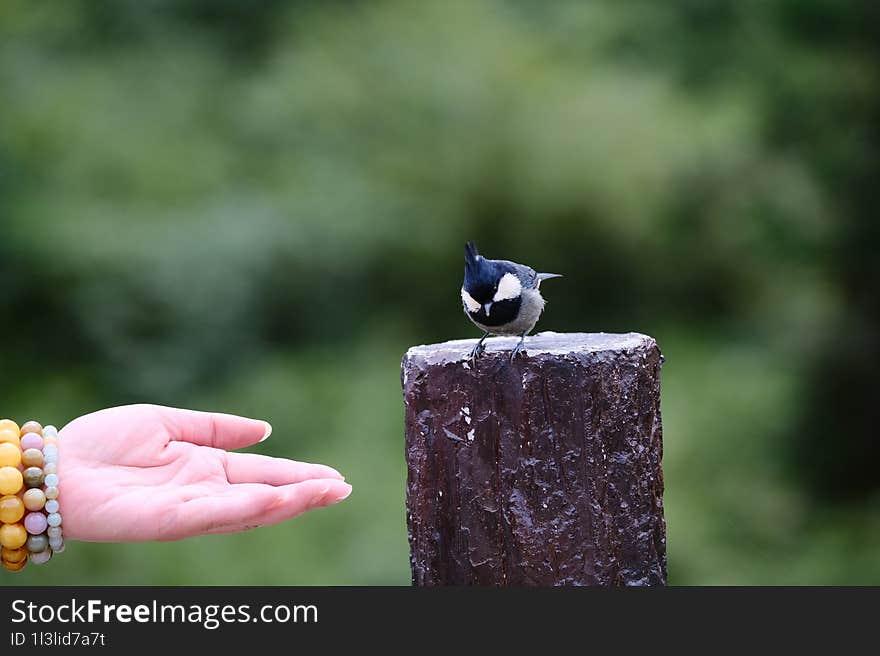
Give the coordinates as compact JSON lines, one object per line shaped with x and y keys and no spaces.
{"x":487,"y":307}
{"x":546,"y":276}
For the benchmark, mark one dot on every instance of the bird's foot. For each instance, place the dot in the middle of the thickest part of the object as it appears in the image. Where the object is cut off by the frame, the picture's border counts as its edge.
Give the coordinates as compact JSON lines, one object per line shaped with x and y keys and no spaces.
{"x":476,"y":352}
{"x":518,"y":348}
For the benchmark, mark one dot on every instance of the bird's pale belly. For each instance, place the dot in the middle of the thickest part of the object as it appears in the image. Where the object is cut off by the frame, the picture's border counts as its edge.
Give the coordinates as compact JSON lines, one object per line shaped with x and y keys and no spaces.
{"x":530,"y":311}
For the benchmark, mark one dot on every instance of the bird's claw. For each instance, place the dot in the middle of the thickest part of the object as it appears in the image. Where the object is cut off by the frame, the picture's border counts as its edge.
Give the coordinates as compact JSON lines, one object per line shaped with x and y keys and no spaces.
{"x":517,"y":350}
{"x":475,"y":353}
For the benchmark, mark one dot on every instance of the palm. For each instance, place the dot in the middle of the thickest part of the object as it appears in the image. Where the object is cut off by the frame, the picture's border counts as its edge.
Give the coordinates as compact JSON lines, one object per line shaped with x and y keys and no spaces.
{"x":152,"y":473}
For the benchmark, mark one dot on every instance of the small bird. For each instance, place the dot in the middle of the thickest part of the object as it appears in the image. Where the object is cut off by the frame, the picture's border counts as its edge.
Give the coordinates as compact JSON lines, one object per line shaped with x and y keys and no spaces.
{"x":501,"y":297}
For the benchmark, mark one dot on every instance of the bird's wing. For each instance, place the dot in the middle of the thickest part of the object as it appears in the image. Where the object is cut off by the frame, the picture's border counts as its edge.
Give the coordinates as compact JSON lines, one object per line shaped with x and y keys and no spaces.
{"x":527,"y":275}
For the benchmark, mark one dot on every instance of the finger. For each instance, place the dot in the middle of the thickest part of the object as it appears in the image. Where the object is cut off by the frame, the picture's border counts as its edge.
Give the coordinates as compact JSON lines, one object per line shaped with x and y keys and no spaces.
{"x":247,"y":506}
{"x":254,"y":468}
{"x":214,"y":429}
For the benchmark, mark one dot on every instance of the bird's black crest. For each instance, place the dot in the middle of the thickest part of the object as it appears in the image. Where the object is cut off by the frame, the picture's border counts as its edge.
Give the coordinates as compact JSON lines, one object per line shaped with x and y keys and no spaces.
{"x":470,"y":253}
{"x":476,"y":268}
{"x":480,"y":275}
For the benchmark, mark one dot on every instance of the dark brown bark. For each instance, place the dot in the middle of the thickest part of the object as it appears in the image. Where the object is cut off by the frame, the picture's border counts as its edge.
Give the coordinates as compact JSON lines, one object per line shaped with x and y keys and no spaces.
{"x":541,"y":472}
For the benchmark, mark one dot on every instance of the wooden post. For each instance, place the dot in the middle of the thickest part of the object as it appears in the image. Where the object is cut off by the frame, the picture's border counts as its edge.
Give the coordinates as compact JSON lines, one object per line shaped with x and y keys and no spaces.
{"x":541,"y":472}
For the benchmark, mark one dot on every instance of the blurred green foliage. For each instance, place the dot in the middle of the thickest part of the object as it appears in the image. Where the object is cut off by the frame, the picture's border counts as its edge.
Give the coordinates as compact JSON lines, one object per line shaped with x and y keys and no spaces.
{"x":257,"y":207}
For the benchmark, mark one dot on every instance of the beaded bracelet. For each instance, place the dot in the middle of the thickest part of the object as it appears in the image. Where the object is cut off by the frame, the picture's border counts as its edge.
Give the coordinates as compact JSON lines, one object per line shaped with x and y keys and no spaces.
{"x":28,"y":482}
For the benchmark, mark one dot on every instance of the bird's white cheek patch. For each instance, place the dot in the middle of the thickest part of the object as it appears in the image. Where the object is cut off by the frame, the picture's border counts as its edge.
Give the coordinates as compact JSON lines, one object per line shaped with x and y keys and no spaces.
{"x":508,"y":287}
{"x":469,"y":302}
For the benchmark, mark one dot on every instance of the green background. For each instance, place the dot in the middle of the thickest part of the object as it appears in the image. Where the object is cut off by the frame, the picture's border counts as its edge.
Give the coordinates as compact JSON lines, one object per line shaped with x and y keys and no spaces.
{"x":257,"y":207}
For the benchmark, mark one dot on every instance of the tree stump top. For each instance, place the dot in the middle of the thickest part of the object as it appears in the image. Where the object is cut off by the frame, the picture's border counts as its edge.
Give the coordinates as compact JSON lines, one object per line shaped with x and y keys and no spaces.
{"x":545,"y":343}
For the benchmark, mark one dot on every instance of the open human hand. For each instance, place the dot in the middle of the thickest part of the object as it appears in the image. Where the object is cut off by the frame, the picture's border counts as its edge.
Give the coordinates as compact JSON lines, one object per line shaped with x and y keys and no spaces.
{"x":146,"y":472}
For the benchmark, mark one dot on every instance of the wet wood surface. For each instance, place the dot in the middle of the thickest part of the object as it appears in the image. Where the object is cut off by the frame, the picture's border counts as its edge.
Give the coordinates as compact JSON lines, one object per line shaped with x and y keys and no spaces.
{"x":544,"y":471}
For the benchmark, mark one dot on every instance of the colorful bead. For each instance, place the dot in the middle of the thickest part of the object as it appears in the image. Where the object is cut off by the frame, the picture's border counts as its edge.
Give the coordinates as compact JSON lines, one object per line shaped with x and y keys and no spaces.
{"x":50,"y":431}
{"x":52,"y":480}
{"x":10,"y":437}
{"x":13,"y":536}
{"x":56,"y":543}
{"x":59,"y":549}
{"x":36,"y":522}
{"x":10,"y":480}
{"x":51,"y":505}
{"x":52,"y":457}
{"x":10,"y":455}
{"x":31,"y":441}
{"x":11,"y":509}
{"x":33,"y":476}
{"x":32,"y":458}
{"x":15,"y":567}
{"x":50,"y":449}
{"x":8,"y":424}
{"x":51,"y":492}
{"x":54,"y":532}
{"x":50,"y":468}
{"x":37,"y":543}
{"x":31,"y":427}
{"x":54,"y":519}
{"x":41,"y":557}
{"x":13,"y":555}
{"x":34,"y":499}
